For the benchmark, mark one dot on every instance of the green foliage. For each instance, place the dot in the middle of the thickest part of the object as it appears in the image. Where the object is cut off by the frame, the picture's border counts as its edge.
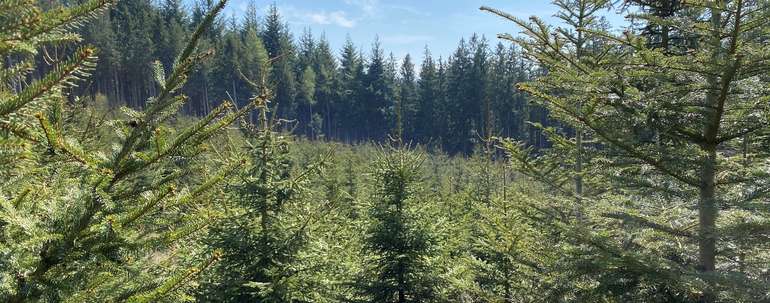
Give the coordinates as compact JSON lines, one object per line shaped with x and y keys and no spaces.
{"x":398,"y":242}
{"x":640,"y":166}
{"x":88,"y":214}
{"x":666,"y":121}
{"x":262,"y":233}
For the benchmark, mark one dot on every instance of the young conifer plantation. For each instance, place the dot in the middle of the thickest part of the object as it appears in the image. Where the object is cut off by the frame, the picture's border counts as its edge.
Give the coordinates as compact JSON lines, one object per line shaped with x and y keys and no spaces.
{"x":160,"y":151}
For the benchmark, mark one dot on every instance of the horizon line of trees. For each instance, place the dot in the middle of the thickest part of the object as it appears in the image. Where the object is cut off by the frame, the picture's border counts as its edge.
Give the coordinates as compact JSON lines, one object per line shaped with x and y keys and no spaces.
{"x":450,"y":104}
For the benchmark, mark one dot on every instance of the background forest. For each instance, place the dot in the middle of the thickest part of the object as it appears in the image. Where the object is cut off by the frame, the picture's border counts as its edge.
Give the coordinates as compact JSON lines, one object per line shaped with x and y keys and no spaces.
{"x":348,"y":97}
{"x":151,"y":153}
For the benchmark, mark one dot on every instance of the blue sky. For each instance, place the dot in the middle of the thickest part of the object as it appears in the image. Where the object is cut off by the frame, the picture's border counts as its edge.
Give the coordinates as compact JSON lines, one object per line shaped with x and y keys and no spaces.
{"x":402,"y":26}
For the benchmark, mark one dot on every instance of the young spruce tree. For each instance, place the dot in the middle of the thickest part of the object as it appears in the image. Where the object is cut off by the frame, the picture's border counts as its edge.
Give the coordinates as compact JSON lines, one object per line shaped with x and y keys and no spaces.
{"x":399,"y":242}
{"x":260,"y":236}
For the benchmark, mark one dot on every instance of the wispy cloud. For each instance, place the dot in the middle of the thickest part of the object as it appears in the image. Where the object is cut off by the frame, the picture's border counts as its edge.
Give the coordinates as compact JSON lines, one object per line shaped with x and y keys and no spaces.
{"x":296,"y":15}
{"x":409,"y":9}
{"x":406,"y":39}
{"x":339,"y":18}
{"x":369,"y":7}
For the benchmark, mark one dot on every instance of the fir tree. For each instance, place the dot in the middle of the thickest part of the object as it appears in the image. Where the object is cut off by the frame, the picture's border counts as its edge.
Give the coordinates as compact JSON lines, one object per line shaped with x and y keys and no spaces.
{"x":377,"y":94}
{"x":280,"y":48}
{"x":253,"y":57}
{"x":427,"y":85}
{"x":397,"y":240}
{"x":408,"y":98}
{"x":327,"y":93}
{"x":669,"y":125}
{"x":259,"y":240}
{"x":351,"y":89}
{"x":459,"y":99}
{"x":306,"y":79}
{"x":89,"y":215}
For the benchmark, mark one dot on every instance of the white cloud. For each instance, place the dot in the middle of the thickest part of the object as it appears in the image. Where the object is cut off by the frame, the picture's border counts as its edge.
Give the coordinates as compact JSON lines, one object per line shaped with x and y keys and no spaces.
{"x":337,"y":18}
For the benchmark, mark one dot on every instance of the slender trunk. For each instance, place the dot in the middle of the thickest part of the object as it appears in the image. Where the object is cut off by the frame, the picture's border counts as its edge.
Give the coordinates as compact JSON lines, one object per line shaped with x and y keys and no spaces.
{"x":401,"y":292}
{"x":708,"y":211}
{"x":579,"y":131}
{"x":116,"y":86}
{"x":235,"y":95}
{"x":707,"y":216}
{"x":579,"y":164}
{"x":505,"y":184}
{"x":508,"y":294}
{"x":311,"y":129}
{"x":205,"y":97}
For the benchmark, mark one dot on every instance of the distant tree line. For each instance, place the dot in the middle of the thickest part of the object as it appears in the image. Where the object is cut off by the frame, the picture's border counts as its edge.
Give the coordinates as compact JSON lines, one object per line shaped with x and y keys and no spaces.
{"x":450,"y":103}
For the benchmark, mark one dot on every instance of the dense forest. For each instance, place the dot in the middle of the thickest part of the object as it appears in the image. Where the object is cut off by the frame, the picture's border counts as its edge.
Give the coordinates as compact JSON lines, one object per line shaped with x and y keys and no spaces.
{"x":348,"y":97}
{"x":153,"y":154}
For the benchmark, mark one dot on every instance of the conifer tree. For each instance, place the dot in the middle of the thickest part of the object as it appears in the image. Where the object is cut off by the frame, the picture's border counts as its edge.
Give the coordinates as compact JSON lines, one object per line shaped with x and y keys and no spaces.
{"x":225,"y":66}
{"x":280,"y":47}
{"x":377,"y":92}
{"x":306,"y":79}
{"x":327,"y":93}
{"x":253,"y":55}
{"x":260,"y":238}
{"x":134,"y":28}
{"x":172,"y":32}
{"x":480,"y":103}
{"x":458,"y":94}
{"x":670,"y":125}
{"x":352,"y":89}
{"x":399,"y":243}
{"x":101,"y":33}
{"x":87,"y":215}
{"x":408,"y":98}
{"x":427,"y":85}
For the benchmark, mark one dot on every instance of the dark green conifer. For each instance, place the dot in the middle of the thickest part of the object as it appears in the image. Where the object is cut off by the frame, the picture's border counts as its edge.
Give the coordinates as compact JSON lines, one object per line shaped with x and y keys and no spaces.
{"x":398,"y":241}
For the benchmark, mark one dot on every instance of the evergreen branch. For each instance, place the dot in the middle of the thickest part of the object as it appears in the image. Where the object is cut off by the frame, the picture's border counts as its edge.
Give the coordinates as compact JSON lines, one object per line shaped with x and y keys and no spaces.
{"x":19,"y":130}
{"x":603,"y":133}
{"x":66,"y":19}
{"x":198,"y":192}
{"x":81,"y":61}
{"x":204,"y":25}
{"x":177,"y":143}
{"x":49,"y":252}
{"x":629,"y":218}
{"x":136,"y":190}
{"x":315,"y":167}
{"x":16,"y":202}
{"x":532,"y":169}
{"x":176,"y":234}
{"x":15,"y":72}
{"x":152,"y":203}
{"x":182,"y":67}
{"x":228,"y":119}
{"x":175,"y":282}
{"x":747,"y":231}
{"x":55,"y":142}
